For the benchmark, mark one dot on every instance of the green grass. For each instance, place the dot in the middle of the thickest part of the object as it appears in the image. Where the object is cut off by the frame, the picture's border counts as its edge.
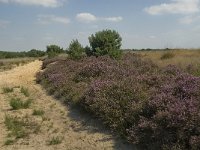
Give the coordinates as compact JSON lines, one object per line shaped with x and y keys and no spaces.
{"x":17,"y":103}
{"x":15,"y":126}
{"x":9,"y":142}
{"x":20,"y":127}
{"x":38,"y":112}
{"x":7,"y":90}
{"x":25,"y":91}
{"x":55,"y":140}
{"x":167,"y":55}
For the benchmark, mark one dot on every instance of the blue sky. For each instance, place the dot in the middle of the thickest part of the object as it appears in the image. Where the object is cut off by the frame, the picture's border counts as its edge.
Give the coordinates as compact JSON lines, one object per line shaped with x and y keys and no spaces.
{"x":27,"y":24}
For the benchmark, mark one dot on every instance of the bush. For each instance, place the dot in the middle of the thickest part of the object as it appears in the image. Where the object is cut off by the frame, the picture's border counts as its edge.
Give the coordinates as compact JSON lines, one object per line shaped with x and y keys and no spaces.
{"x":76,"y":51}
{"x":106,"y":42}
{"x":154,"y":108}
{"x":53,"y":50}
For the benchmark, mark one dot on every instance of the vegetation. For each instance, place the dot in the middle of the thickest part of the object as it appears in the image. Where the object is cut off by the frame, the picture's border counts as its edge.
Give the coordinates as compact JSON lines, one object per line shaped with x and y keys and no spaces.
{"x":75,"y":50}
{"x":106,"y":42}
{"x":7,"y":90}
{"x":25,"y":91}
{"x":55,"y":140}
{"x":19,"y":127}
{"x":6,"y":64}
{"x":31,"y":53}
{"x":17,"y":103}
{"x":54,"y":50}
{"x":38,"y":112}
{"x":167,"y":55}
{"x":151,"y":106}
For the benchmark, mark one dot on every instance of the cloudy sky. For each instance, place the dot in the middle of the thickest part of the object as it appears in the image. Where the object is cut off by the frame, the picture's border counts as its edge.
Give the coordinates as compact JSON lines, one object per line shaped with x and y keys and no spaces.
{"x":27,"y":24}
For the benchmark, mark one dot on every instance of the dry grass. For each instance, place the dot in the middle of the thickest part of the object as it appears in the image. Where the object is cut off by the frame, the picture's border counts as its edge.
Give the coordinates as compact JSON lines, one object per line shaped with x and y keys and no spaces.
{"x":6,"y":64}
{"x":181,"y":58}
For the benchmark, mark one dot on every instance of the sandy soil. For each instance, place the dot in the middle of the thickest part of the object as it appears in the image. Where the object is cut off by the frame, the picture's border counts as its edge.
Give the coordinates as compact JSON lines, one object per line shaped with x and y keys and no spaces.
{"x":76,"y":129}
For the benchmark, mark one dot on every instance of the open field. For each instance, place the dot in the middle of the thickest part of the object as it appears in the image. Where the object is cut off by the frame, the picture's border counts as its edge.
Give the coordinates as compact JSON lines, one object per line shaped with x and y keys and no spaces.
{"x":6,"y":64}
{"x":181,"y":58}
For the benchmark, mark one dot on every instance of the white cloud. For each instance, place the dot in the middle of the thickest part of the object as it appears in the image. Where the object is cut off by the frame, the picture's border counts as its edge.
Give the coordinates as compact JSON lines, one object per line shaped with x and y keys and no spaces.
{"x":86,"y":17}
{"x":48,"y":19}
{"x":89,"y":18}
{"x":44,"y":3}
{"x":4,"y":23}
{"x":175,"y":7}
{"x":113,"y":19}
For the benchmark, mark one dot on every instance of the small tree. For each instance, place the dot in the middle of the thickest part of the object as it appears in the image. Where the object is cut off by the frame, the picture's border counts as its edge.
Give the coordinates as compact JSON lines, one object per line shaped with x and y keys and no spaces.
{"x":106,"y":42}
{"x":75,"y":50}
{"x":54,"y":50}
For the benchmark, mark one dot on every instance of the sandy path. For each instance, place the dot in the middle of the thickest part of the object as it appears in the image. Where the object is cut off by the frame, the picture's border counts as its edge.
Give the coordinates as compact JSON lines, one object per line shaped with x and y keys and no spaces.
{"x":76,"y":129}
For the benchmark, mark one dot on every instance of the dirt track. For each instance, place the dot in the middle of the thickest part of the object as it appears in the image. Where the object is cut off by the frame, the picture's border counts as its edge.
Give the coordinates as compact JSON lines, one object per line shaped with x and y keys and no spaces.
{"x":77,"y":130}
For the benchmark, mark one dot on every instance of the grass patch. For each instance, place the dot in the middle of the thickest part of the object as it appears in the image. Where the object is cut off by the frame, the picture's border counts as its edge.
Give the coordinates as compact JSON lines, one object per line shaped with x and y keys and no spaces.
{"x":17,"y":103}
{"x":7,"y":90}
{"x":25,"y":91}
{"x":20,"y":127}
{"x":15,"y":126}
{"x":9,"y":142}
{"x":55,"y":140}
{"x":38,"y":112}
{"x":167,"y":55}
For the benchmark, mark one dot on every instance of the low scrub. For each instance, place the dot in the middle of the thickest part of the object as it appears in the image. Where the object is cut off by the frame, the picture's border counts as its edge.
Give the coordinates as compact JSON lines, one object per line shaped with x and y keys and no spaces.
{"x":152,"y":107}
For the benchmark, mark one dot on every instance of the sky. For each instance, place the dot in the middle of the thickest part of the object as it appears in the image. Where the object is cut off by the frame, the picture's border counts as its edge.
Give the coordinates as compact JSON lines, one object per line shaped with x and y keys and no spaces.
{"x":28,"y":24}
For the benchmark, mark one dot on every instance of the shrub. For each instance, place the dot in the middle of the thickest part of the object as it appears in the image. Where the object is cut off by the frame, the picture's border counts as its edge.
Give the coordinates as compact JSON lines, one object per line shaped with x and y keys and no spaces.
{"x":53,"y":50}
{"x":106,"y":42}
{"x":154,"y":108}
{"x":75,"y":50}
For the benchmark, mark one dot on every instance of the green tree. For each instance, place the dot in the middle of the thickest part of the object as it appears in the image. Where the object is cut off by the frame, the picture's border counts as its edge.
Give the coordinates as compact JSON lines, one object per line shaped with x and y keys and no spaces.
{"x":106,"y":42}
{"x":54,"y":50}
{"x":75,"y":50}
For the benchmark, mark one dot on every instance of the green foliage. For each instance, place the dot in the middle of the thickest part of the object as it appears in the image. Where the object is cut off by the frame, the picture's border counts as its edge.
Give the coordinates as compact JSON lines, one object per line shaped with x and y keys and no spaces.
{"x":31,"y":53}
{"x":167,"y":55}
{"x":25,"y":91}
{"x":55,"y":141}
{"x":35,"y":53}
{"x":17,"y":103}
{"x":75,"y":51}
{"x":7,"y":90}
{"x":38,"y":112}
{"x":9,"y":142}
{"x":54,"y":50}
{"x":15,"y":126}
{"x":19,"y":127}
{"x":88,"y":51}
{"x":106,"y":42}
